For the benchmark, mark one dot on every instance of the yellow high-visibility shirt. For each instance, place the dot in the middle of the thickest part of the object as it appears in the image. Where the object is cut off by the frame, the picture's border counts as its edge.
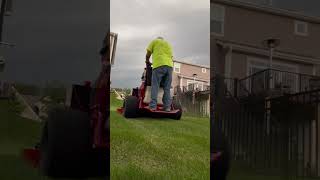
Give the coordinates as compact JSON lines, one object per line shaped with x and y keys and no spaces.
{"x":161,"y":53}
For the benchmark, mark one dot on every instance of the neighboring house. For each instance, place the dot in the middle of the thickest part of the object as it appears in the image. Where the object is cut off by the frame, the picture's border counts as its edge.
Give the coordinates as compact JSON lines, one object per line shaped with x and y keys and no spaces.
{"x":268,"y":101}
{"x":191,"y":83}
{"x":191,"y":76}
{"x":238,"y":30}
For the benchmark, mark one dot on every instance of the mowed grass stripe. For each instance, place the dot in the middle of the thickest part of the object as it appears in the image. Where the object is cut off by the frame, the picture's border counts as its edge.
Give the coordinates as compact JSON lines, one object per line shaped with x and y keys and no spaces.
{"x":146,"y":148}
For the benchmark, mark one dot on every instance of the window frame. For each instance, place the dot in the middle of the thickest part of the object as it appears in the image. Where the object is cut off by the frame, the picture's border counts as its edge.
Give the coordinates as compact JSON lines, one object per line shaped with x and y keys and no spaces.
{"x":198,"y":83}
{"x":204,"y":70}
{"x":222,"y":20}
{"x":175,"y":64}
{"x":305,"y":24}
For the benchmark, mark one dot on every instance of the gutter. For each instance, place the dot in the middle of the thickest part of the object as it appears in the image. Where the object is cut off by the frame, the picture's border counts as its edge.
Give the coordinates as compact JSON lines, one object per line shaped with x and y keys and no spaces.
{"x":197,"y":65}
{"x":269,"y":10}
{"x":265,"y":52}
{"x":198,"y":79}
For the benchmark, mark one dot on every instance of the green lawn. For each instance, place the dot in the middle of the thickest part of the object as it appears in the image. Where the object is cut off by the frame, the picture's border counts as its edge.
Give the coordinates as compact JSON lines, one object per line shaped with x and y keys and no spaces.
{"x":240,"y":171}
{"x":146,"y":148}
{"x":16,"y":133}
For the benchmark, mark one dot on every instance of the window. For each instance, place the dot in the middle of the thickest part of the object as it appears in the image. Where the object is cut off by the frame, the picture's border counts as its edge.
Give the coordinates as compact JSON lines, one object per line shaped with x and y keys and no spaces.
{"x":176,"y":67}
{"x":217,"y":19}
{"x":194,"y":85}
{"x":204,"y":70}
{"x":301,"y":28}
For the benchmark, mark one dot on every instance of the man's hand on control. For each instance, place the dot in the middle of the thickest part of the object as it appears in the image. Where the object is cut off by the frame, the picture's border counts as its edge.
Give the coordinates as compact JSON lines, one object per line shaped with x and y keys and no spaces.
{"x":148,"y":55}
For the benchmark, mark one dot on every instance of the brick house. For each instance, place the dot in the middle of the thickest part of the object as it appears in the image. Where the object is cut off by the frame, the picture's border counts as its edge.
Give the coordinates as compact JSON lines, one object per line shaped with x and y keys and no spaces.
{"x":269,"y":61}
{"x":190,"y":75}
{"x":238,"y":30}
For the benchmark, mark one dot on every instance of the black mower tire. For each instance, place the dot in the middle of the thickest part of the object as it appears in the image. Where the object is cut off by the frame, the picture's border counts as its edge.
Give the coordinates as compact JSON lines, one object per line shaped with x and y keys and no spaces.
{"x":220,"y":167}
{"x":130,"y":107}
{"x":178,"y":106}
{"x":178,"y":115}
{"x":66,"y":142}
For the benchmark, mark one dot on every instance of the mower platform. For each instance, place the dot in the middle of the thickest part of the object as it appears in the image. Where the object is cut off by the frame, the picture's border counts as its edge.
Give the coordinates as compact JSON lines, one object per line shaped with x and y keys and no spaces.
{"x":160,"y":111}
{"x":137,"y":104}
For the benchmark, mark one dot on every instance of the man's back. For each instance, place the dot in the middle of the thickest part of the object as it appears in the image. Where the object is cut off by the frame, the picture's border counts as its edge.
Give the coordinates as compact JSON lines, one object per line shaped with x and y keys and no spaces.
{"x":161,"y":53}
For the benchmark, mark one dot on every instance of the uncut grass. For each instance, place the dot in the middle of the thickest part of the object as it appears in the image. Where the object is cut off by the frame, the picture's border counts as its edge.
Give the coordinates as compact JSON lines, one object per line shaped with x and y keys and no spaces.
{"x":17,"y":133}
{"x":146,"y":148}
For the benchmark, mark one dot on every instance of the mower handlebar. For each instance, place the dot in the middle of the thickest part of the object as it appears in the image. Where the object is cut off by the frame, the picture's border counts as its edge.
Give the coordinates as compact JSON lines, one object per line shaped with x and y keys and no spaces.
{"x":148,"y":64}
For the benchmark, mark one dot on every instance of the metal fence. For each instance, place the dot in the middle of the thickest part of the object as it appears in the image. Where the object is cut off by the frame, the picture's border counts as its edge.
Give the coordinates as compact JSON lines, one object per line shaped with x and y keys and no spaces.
{"x":193,"y":102}
{"x":273,"y":81}
{"x":277,"y":136}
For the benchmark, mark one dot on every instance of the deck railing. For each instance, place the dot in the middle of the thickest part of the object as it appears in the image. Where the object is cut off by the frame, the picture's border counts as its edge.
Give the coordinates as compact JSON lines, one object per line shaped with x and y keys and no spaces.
{"x":270,"y":80}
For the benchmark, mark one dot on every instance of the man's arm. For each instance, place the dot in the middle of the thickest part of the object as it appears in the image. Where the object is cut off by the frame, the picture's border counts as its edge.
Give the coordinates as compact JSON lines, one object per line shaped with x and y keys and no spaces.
{"x":148,"y":55}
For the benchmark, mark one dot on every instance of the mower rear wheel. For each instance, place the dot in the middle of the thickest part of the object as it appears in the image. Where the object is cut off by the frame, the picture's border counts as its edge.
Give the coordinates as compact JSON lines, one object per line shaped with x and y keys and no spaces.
{"x":130,"y":107}
{"x":178,"y":115}
{"x":178,"y":106}
{"x":66,"y":144}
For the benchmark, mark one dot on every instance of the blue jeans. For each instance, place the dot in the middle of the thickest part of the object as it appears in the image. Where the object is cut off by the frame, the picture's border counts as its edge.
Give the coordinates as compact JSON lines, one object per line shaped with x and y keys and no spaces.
{"x":161,"y":75}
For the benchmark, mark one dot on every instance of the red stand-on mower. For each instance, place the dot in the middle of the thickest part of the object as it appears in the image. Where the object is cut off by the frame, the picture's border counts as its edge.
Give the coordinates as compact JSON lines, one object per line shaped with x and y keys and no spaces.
{"x":137,"y":104}
{"x":75,"y":140}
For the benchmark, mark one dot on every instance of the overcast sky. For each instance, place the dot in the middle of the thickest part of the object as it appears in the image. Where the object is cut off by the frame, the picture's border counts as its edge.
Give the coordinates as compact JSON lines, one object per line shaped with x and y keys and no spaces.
{"x":55,"y":40}
{"x":184,"y":23}
{"x":60,"y":40}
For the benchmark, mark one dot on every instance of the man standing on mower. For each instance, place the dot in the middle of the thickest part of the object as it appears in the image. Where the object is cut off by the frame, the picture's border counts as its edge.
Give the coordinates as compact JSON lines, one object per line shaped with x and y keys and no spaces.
{"x":162,"y":63}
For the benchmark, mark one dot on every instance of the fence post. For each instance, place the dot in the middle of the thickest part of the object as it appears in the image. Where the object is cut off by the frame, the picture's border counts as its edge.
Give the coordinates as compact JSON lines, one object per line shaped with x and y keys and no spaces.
{"x":235,"y":87}
{"x":218,"y":87}
{"x":300,"y":89}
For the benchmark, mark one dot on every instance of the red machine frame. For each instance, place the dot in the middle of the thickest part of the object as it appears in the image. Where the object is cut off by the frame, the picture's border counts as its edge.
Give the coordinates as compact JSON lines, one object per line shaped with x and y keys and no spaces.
{"x":99,"y":108}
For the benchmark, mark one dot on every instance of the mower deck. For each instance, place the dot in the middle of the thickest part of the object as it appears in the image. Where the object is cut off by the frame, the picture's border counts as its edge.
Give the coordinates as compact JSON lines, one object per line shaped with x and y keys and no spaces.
{"x":160,"y":111}
{"x":137,"y":104}
{"x":32,"y":156}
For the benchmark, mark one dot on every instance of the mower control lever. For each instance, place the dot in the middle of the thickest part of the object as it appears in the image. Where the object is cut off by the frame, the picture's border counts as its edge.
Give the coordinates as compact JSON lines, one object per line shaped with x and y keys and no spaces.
{"x":148,"y":64}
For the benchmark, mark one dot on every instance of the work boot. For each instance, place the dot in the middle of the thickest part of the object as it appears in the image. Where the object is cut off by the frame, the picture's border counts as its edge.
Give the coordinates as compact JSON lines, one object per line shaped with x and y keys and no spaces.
{"x":152,"y":109}
{"x":167,"y":109}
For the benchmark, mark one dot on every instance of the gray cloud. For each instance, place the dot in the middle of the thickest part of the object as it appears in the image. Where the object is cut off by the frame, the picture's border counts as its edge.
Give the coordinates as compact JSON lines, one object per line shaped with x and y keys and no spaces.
{"x":184,"y":23}
{"x":55,"y":40}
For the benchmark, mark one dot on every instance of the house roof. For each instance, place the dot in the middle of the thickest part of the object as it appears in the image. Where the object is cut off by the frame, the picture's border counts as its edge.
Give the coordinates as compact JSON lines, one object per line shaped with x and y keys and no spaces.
{"x":263,"y":51}
{"x":270,"y":10}
{"x":192,"y":64}
{"x":198,"y":79}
